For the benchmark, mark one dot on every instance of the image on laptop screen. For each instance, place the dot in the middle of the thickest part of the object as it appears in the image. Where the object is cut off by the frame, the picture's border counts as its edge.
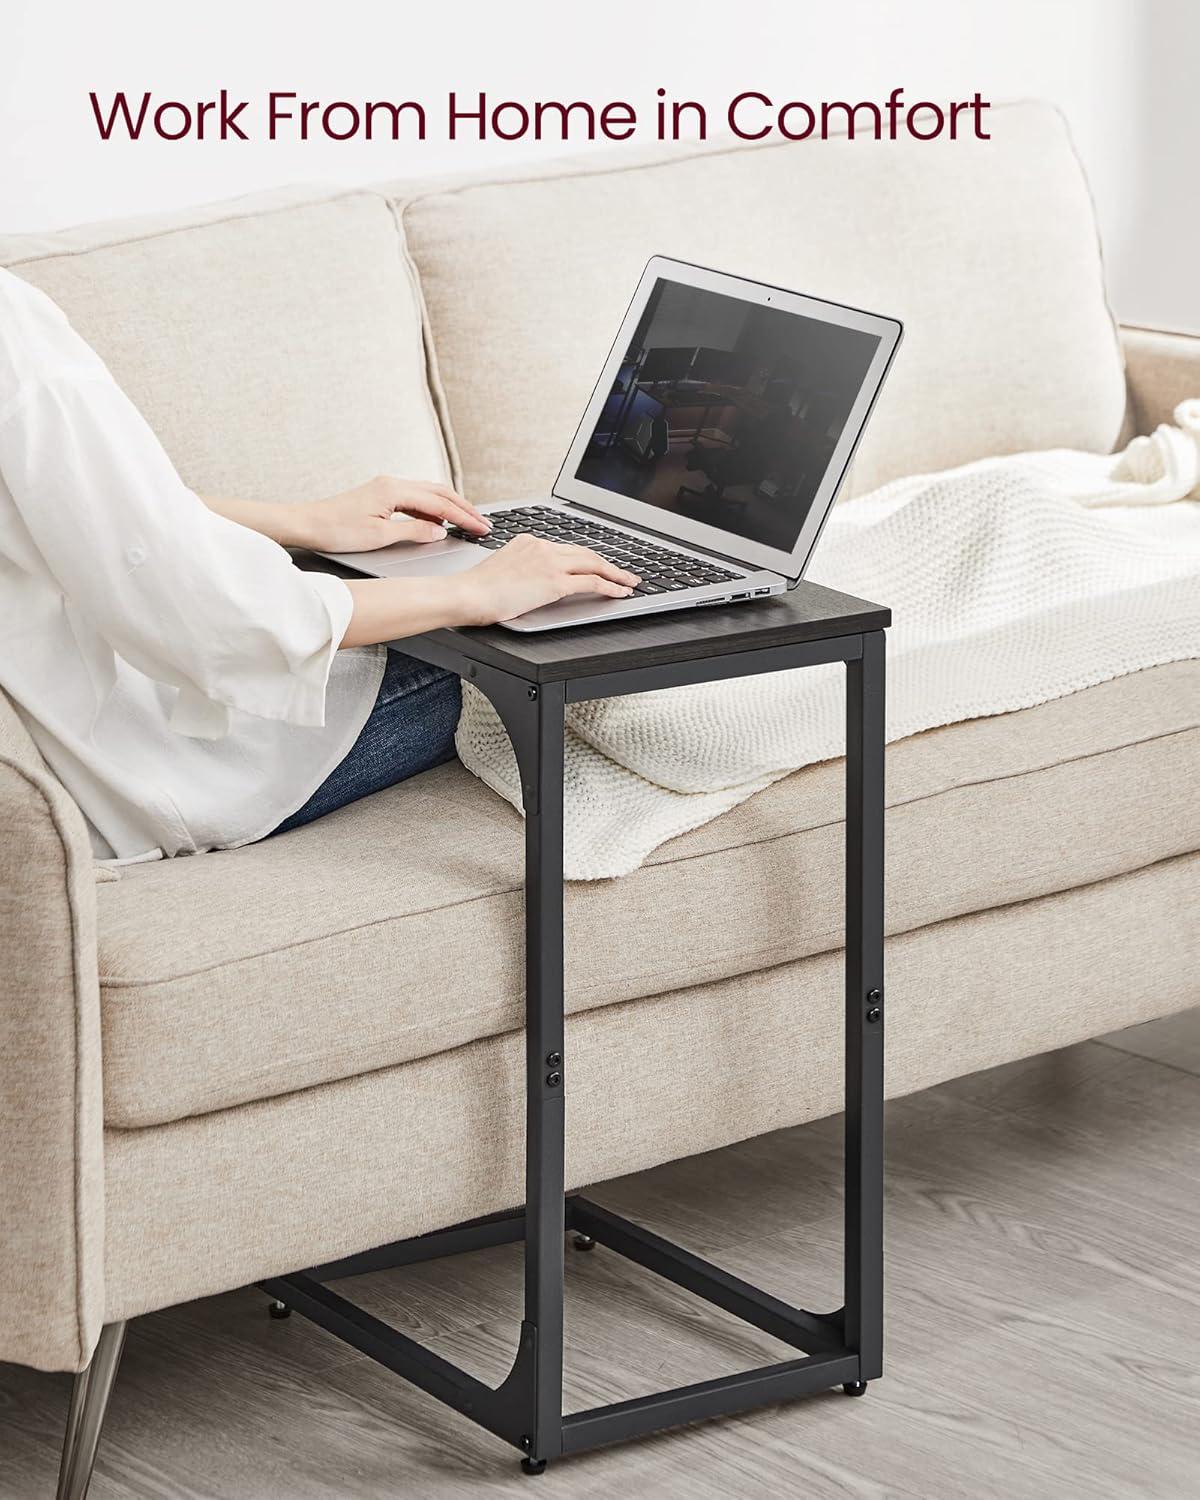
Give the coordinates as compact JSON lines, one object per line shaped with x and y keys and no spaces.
{"x":727,"y":412}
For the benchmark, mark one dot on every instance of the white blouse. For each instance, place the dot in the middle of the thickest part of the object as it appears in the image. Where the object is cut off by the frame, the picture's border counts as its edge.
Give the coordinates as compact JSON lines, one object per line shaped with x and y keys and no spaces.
{"x":177,"y":671}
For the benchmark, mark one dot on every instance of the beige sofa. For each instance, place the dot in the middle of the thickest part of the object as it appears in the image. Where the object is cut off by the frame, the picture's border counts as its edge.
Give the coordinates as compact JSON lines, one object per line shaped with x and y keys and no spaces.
{"x":224,"y":1067}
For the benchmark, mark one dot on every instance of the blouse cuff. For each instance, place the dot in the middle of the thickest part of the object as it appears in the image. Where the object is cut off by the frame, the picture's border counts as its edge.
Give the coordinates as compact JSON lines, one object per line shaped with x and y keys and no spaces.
{"x":307,"y":706}
{"x":299,"y":698}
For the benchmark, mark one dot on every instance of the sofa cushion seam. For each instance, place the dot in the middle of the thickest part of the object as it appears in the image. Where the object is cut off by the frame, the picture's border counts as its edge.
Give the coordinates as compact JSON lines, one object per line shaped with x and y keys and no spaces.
{"x":945,"y":791}
{"x":434,"y":390}
{"x":38,"y":785}
{"x":232,"y":218}
{"x":978,"y":912}
{"x":1168,"y":333}
{"x":582,"y":171}
{"x":116,"y":982}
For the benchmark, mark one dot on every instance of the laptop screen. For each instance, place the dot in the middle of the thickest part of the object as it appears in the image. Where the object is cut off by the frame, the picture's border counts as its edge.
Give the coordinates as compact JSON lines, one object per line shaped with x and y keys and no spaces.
{"x":727,"y":412}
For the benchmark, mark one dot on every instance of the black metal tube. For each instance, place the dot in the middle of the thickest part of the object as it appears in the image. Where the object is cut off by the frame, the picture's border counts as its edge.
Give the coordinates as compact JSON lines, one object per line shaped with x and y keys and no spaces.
{"x":478,"y":1234}
{"x":545,"y":1066}
{"x":864,"y":1005}
{"x":715,"y":669}
{"x":813,"y":1332}
{"x":709,"y":1398}
{"x":491,"y":1408}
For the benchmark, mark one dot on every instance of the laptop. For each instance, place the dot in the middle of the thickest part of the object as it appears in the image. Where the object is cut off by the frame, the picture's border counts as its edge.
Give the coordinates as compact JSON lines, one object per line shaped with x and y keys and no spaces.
{"x":710,"y":452}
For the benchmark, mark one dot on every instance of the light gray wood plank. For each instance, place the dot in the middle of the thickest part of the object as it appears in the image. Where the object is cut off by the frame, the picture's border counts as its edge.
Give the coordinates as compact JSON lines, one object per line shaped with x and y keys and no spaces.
{"x":1174,"y":1040}
{"x":1044,"y":1327}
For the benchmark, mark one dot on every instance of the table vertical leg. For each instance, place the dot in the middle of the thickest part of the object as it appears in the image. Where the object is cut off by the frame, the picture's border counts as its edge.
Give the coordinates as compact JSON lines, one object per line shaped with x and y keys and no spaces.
{"x":545,"y":1065}
{"x":864,"y":1005}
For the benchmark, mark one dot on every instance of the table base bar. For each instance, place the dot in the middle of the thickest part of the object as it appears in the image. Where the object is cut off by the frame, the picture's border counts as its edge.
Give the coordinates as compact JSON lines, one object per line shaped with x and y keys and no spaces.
{"x":504,"y":1409}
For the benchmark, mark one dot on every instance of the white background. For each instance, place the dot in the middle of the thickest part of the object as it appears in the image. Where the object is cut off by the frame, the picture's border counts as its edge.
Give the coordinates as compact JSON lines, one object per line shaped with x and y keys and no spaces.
{"x":1124,"y":71}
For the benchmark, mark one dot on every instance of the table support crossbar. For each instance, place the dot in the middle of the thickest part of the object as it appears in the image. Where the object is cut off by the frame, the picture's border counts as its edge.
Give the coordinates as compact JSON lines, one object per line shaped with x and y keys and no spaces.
{"x":812,"y":1332}
{"x":502,"y":1410}
{"x":709,"y":1398}
{"x":505,"y":1410}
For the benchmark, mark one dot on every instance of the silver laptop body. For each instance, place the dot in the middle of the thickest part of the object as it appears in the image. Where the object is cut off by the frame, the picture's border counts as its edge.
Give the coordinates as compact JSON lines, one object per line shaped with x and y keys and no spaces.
{"x":709,"y":455}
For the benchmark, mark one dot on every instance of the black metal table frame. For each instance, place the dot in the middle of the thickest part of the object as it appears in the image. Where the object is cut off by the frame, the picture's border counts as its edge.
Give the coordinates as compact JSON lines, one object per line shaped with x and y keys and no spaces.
{"x":843,"y":1347}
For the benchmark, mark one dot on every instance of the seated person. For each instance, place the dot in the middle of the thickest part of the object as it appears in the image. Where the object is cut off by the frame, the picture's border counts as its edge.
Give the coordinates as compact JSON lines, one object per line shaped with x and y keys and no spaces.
{"x":190,"y":686}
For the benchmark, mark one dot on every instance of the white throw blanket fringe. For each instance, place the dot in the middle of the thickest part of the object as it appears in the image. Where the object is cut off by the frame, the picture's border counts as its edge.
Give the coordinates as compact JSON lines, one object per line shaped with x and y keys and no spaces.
{"x":1012,"y":581}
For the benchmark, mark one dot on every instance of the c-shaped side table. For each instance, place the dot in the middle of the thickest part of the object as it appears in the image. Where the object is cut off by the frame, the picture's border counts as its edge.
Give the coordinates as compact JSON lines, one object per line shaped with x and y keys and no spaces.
{"x":530,"y":679}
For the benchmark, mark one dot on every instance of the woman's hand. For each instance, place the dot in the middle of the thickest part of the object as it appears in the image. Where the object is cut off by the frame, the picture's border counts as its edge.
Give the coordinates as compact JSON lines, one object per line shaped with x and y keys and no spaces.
{"x":518,"y":577}
{"x":528,"y":572}
{"x":386,"y":510}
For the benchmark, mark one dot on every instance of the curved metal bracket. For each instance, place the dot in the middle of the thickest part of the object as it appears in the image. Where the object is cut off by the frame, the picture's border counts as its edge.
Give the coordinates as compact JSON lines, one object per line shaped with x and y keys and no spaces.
{"x":504,"y":1410}
{"x":519,"y":705}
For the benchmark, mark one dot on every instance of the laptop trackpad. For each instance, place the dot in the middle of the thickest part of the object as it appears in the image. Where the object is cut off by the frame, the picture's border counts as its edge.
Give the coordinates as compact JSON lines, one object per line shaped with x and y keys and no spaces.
{"x":413,"y":559}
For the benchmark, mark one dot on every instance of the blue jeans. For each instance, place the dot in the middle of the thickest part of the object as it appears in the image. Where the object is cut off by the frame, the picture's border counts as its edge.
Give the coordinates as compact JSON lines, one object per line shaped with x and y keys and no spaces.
{"x":411,"y":729}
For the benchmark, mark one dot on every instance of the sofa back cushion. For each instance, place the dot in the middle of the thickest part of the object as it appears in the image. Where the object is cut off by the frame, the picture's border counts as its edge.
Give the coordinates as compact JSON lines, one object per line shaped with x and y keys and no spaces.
{"x":273,"y":343}
{"x":986,"y":249}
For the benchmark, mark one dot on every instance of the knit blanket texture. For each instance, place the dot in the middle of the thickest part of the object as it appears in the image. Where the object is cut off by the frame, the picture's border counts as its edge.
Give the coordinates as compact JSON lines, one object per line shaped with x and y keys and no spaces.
{"x":1012,"y":581}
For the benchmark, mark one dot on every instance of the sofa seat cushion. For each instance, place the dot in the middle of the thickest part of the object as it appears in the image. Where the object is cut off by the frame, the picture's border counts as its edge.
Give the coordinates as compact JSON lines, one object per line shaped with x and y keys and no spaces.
{"x":391,"y":930}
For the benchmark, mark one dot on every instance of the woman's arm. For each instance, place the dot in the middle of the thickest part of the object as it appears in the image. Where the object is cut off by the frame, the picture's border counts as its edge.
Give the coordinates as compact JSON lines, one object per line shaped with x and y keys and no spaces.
{"x":524,"y":574}
{"x":191,"y":599}
{"x":278,"y":520}
{"x":376,"y":514}
{"x":509,"y":582}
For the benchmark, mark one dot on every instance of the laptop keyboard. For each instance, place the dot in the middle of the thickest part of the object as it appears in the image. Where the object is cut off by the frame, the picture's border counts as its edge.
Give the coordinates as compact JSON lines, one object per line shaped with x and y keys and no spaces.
{"x":661,"y":569}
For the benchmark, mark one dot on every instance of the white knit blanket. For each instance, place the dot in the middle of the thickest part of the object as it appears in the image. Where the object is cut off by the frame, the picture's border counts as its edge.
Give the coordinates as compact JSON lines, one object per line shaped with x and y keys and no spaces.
{"x":1011,"y":581}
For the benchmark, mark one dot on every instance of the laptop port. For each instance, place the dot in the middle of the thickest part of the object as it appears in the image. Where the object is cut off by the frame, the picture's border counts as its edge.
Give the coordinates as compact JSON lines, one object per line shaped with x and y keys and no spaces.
{"x":761,"y":591}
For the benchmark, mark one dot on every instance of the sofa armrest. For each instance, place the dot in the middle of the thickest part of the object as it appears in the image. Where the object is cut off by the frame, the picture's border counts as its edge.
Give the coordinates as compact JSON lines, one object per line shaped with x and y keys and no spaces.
{"x":1162,"y":369}
{"x":51,"y":1106}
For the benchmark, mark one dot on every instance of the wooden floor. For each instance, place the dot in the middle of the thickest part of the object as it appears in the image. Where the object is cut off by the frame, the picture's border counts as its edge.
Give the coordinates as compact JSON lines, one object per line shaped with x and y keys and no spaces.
{"x":1044,"y":1324}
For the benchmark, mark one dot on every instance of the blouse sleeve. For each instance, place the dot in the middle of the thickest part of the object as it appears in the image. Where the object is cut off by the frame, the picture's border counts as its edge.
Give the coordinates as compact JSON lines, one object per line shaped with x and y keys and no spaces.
{"x":189,"y":598}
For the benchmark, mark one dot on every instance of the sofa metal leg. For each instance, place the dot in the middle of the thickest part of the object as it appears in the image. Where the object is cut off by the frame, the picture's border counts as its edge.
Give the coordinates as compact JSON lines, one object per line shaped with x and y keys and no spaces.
{"x":89,"y":1401}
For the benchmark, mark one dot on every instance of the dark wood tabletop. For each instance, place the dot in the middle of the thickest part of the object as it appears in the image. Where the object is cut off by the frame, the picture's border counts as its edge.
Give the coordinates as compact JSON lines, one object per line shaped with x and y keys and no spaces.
{"x":808,"y":612}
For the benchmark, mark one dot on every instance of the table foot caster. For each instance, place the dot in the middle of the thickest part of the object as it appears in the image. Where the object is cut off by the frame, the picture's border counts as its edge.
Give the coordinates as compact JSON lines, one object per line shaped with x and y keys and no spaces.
{"x":533,"y":1465}
{"x":584,"y":1242}
{"x":855,"y":1388}
{"x":279,"y":1310}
